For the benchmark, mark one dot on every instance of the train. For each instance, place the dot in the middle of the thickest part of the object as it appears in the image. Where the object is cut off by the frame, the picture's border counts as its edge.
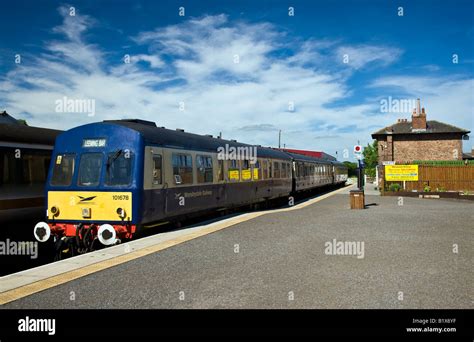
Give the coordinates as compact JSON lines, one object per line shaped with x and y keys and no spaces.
{"x":25,"y":155}
{"x":109,"y":180}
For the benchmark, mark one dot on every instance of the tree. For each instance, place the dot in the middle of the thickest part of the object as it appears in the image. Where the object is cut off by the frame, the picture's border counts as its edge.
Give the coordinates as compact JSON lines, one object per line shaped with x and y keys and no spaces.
{"x":352,"y":168}
{"x":371,"y":157}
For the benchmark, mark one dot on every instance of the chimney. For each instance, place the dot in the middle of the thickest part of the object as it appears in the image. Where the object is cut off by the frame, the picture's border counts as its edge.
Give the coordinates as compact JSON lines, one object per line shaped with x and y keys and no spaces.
{"x":418,"y":119}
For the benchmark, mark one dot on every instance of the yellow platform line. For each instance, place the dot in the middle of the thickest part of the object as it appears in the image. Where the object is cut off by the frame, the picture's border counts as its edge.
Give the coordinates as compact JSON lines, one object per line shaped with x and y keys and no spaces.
{"x":41,"y":285}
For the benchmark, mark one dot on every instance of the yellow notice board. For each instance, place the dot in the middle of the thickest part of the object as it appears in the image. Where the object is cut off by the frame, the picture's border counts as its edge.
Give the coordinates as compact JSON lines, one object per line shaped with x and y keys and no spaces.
{"x":401,"y":172}
{"x":246,"y":175}
{"x":255,"y":174}
{"x":234,"y":174}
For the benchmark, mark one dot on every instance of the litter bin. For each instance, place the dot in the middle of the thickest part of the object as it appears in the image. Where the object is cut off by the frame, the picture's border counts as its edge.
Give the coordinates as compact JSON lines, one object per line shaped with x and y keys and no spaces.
{"x":357,"y":199}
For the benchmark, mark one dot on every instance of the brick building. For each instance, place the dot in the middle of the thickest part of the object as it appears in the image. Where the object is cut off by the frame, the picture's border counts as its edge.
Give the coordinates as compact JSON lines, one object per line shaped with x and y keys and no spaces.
{"x":419,"y":139}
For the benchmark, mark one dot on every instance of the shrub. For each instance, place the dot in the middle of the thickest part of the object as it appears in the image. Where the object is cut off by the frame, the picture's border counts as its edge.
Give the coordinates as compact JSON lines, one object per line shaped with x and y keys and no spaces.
{"x":394,"y":187}
{"x":427,"y":188}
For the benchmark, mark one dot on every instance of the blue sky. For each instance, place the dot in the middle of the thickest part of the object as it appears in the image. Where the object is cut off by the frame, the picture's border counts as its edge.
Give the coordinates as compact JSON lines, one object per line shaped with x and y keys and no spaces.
{"x":291,"y":73}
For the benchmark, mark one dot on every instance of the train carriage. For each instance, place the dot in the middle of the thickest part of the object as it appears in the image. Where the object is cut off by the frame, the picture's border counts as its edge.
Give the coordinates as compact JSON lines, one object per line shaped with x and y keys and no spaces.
{"x":108,"y":180}
{"x":25,"y":154}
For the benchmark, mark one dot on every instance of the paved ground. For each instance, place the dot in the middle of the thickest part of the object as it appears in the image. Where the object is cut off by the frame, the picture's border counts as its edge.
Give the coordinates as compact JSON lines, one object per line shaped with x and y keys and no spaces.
{"x":281,"y":263}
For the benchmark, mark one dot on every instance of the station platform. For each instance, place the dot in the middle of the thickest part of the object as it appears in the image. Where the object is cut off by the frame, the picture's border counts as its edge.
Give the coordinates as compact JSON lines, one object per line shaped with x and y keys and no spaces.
{"x":275,"y":259}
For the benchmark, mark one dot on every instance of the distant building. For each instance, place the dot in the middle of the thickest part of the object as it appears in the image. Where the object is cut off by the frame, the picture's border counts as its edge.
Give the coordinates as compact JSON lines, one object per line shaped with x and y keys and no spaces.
{"x":468,"y":156}
{"x":5,"y":118}
{"x":419,"y":139}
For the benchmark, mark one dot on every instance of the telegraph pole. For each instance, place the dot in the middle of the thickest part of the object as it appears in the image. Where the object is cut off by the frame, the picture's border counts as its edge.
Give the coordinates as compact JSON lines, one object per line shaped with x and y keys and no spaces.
{"x":279,"y":138}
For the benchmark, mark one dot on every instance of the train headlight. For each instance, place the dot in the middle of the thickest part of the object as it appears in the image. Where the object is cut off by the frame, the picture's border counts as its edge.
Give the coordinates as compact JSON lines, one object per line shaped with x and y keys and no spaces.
{"x":86,"y":212}
{"x":107,"y":235}
{"x":42,"y":232}
{"x":121,"y":212}
{"x":54,"y":211}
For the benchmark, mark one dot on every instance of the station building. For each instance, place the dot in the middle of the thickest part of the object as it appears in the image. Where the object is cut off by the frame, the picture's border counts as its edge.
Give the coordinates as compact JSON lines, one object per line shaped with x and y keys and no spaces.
{"x":419,"y":139}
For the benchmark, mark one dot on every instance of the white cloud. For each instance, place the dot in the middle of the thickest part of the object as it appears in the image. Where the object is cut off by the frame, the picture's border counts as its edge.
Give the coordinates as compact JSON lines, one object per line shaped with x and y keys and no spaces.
{"x":359,"y":56}
{"x":194,"y":62}
{"x":448,"y":99}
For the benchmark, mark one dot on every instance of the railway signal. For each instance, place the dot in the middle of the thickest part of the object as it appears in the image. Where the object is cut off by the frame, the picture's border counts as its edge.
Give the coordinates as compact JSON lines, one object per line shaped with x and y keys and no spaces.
{"x":358,"y":151}
{"x":358,"y":155}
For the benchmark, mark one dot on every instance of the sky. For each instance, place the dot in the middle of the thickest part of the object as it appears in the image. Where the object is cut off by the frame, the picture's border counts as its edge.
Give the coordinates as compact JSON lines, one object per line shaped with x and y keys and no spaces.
{"x":318,"y":71}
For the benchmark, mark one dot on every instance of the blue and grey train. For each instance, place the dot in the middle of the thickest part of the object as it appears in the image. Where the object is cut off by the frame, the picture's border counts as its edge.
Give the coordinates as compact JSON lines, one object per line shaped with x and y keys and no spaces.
{"x":110,"y":179}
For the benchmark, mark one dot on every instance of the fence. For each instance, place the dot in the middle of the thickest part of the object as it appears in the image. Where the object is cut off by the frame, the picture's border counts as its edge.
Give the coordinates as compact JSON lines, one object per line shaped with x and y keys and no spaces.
{"x":439,"y":178}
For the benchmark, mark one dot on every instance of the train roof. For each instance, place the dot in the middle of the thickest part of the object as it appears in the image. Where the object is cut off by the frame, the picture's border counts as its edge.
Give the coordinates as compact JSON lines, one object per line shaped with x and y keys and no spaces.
{"x":302,"y":157}
{"x":15,"y":133}
{"x":180,"y":139}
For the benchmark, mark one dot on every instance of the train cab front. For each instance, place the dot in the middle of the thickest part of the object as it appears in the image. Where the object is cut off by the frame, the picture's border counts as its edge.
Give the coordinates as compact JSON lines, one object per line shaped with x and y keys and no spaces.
{"x":91,"y":189}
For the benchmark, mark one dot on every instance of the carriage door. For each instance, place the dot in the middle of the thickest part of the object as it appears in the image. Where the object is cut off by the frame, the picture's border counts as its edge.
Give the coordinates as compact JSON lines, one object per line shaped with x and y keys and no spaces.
{"x":154,"y":184}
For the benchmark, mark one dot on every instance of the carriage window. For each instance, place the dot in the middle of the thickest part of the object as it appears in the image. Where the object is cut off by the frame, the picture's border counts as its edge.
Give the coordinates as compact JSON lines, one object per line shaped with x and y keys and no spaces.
{"x":63,"y":169}
{"x":264,"y":169}
{"x":246,"y":172}
{"x":276,"y":172}
{"x":233,"y":170}
{"x":270,"y":169}
{"x":256,"y":171}
{"x":301,"y":170}
{"x":204,"y":169}
{"x":182,"y":168}
{"x":119,"y":168}
{"x":157,"y":167}
{"x":220,"y":171}
{"x":283,"y":170}
{"x":89,"y":169}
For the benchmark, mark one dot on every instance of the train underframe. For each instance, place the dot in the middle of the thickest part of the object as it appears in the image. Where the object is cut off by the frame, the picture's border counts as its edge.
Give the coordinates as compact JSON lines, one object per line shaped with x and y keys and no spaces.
{"x":74,"y":239}
{"x":78,"y":238}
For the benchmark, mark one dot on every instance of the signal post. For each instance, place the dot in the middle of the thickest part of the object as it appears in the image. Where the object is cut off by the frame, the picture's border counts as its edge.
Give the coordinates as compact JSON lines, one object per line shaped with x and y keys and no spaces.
{"x":357,"y":197}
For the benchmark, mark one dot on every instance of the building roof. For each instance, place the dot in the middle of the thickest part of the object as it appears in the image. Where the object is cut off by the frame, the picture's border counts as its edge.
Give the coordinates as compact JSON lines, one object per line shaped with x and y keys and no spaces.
{"x":432,"y":126}
{"x":6,"y":118}
{"x":14,"y":132}
{"x":18,"y":133}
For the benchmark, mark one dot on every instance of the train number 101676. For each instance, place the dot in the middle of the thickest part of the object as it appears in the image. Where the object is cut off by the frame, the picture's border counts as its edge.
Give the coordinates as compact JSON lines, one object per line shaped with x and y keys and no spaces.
{"x":120,"y":197}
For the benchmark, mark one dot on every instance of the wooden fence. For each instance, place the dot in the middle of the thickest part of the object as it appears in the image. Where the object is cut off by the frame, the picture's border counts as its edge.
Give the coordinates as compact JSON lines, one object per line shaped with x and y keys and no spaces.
{"x":439,"y":178}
